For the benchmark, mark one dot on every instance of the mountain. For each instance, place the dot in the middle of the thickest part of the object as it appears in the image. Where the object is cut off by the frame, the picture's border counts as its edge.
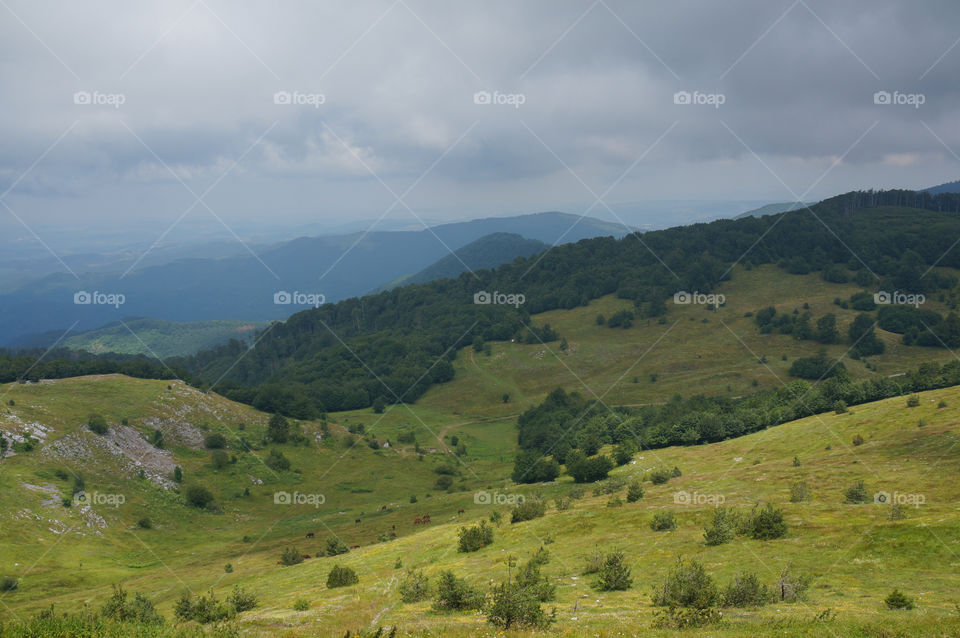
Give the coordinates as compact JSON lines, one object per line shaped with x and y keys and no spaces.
{"x":949,"y":187}
{"x":159,"y":338}
{"x":243,"y":286}
{"x":772,"y":209}
{"x":487,"y":252}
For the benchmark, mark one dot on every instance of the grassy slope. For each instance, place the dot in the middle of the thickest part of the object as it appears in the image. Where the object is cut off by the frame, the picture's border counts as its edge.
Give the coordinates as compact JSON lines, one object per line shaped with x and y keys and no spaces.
{"x":854,"y":552}
{"x":156,"y":337}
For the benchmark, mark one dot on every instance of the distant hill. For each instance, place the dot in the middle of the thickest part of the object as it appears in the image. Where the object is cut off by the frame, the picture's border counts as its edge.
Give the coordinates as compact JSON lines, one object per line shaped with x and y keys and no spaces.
{"x":772,"y":209}
{"x":156,"y":337}
{"x":949,"y":187}
{"x":243,"y":286}
{"x":487,"y":252}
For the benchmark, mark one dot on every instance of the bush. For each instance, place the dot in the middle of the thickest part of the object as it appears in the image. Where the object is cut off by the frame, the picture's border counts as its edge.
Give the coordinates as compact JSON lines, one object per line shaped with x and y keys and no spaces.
{"x":660,"y":476}
{"x":856,"y":493}
{"x":685,"y":618}
{"x":341,"y":577}
{"x":301,"y":604}
{"x":8,"y":583}
{"x":663,"y":522}
{"x":444,"y":482}
{"x":799,"y":492}
{"x":791,"y":586}
{"x":140,"y":609}
{"x":215,"y":441}
{"x":97,"y":424}
{"x":177,"y":475}
{"x":455,"y":594}
{"x":746,"y":590}
{"x":199,"y":496}
{"x":145,"y":523}
{"x":219,"y":459}
{"x":277,"y":461}
{"x":613,"y":574}
{"x":589,"y":469}
{"x":687,"y":585}
{"x":528,"y":510}
{"x":414,"y":587}
{"x":474,"y":538}
{"x":767,"y":523}
{"x":241,"y":600}
{"x":857,"y":440}
{"x":205,"y":609}
{"x":913,"y":401}
{"x":722,"y":529}
{"x":634,"y":492}
{"x":512,"y":605}
{"x":291,"y":556}
{"x":898,"y":600}
{"x":335,"y":547}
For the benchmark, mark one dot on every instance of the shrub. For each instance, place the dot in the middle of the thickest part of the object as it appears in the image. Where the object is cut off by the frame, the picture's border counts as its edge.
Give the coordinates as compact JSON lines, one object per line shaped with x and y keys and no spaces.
{"x":942,"y":404}
{"x":228,"y":568}
{"x":291,"y":556}
{"x":512,"y":605}
{"x":685,"y":618}
{"x":335,"y":547}
{"x":858,"y":440}
{"x":219,"y":459}
{"x":414,"y":587}
{"x":215,"y":441}
{"x":341,"y":577}
{"x":660,"y":476}
{"x":241,"y":600}
{"x":791,"y":586}
{"x":177,"y":475}
{"x":97,"y":424}
{"x":474,"y":538}
{"x":663,"y":522}
{"x":277,"y":461}
{"x":140,"y":609}
{"x":608,"y":487}
{"x":767,"y":523}
{"x":528,"y":510}
{"x":898,"y":600}
{"x":722,"y":529}
{"x":199,"y":496}
{"x":589,"y":469}
{"x":145,"y":523}
{"x":455,"y":594}
{"x":205,"y":609}
{"x":301,"y":604}
{"x":799,"y":492}
{"x":8,"y":583}
{"x":444,"y":482}
{"x":496,"y":517}
{"x":530,"y":578}
{"x":634,"y":492}
{"x":913,"y":401}
{"x":746,"y":590}
{"x":675,"y":472}
{"x":562,"y":504}
{"x":615,"y":501}
{"x":613,"y":574}
{"x":896,"y":512}
{"x":856,"y":493}
{"x":687,"y":585}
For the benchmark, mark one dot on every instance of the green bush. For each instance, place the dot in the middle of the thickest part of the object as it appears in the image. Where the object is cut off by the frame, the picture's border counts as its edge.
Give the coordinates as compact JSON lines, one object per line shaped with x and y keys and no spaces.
{"x":444,"y":482}
{"x":687,"y":585}
{"x":613,"y":574}
{"x":341,"y":577}
{"x":145,"y":523}
{"x":799,"y":492}
{"x":414,"y":587}
{"x":301,"y":604}
{"x":588,"y":469}
{"x":215,"y":441}
{"x":277,"y":461}
{"x":856,"y":493}
{"x":97,"y":424}
{"x":335,"y":547}
{"x":746,"y":590}
{"x":660,"y":476}
{"x":204,"y":609}
{"x":241,"y":600}
{"x":913,"y":401}
{"x":722,"y":528}
{"x":198,"y":496}
{"x":857,"y":440}
{"x":291,"y":556}
{"x":140,"y":609}
{"x":512,"y":605}
{"x":8,"y":583}
{"x":455,"y":594}
{"x":219,"y":459}
{"x":685,"y":618}
{"x":528,"y":510}
{"x":474,"y":538}
{"x":634,"y":492}
{"x":767,"y":523}
{"x":898,"y":600}
{"x":663,"y":522}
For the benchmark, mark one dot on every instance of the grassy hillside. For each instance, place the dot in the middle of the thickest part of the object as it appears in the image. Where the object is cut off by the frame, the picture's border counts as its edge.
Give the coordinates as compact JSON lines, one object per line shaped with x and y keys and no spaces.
{"x":853,"y":553}
{"x":159,"y":338}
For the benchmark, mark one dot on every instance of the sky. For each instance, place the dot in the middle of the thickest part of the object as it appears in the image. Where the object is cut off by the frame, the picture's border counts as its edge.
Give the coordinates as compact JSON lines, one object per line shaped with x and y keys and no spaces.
{"x":123,"y":118}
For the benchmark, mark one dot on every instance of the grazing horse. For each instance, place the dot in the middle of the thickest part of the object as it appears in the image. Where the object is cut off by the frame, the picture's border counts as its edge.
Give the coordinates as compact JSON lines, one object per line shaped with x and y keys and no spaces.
{"x":356,"y":522}
{"x":354,"y":547}
{"x":460,"y":511}
{"x":309,"y":534}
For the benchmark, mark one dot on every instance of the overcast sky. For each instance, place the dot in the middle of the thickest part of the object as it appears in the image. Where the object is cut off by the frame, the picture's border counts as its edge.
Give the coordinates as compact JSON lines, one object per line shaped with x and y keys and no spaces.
{"x":383,"y":105}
